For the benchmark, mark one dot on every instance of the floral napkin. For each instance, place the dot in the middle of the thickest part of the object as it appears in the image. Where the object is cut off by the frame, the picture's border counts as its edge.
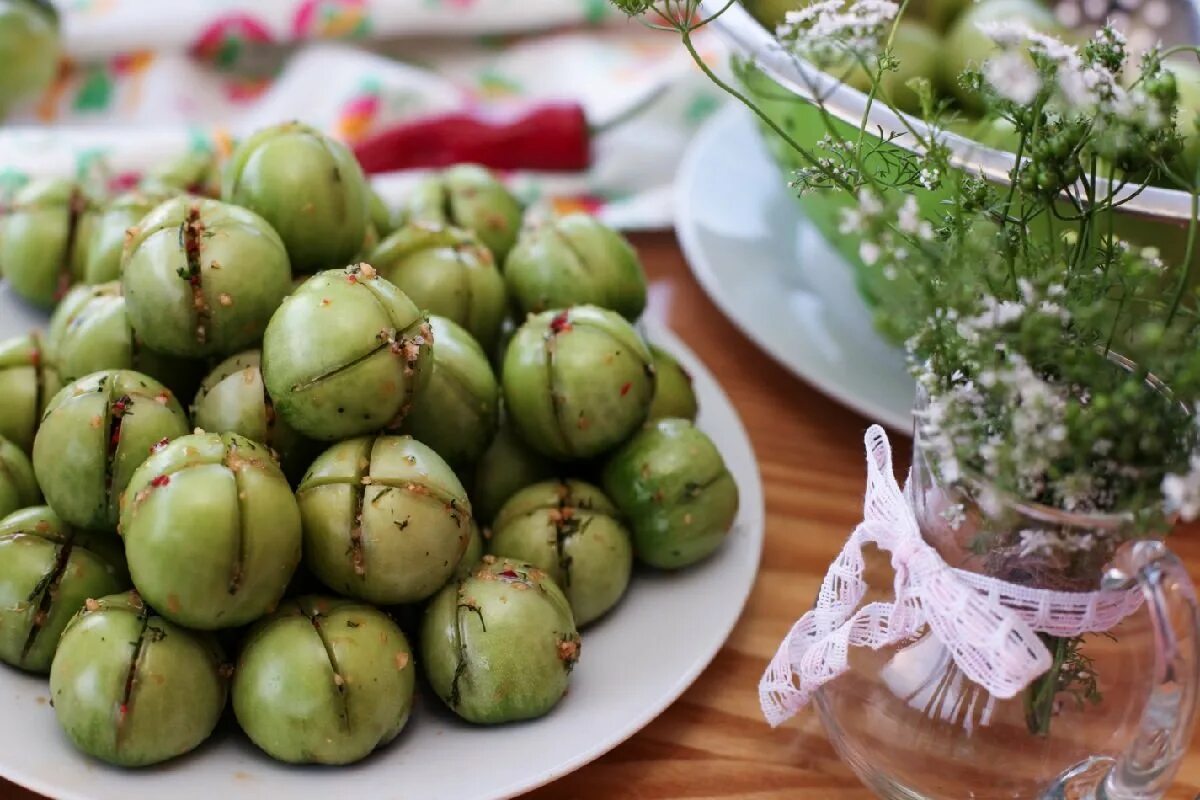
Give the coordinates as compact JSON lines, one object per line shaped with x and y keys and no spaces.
{"x":147,"y":79}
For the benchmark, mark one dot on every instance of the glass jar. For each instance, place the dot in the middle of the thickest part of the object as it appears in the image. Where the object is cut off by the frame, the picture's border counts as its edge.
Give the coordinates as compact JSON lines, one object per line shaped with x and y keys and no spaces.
{"x":1112,"y":718}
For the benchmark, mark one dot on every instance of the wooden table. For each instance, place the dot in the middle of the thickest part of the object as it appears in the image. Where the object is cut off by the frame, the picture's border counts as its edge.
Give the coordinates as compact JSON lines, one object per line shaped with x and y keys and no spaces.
{"x":713,"y":743}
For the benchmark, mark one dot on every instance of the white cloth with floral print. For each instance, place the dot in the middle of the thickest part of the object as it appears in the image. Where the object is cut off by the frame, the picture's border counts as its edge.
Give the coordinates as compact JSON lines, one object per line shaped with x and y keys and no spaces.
{"x":144,"y":80}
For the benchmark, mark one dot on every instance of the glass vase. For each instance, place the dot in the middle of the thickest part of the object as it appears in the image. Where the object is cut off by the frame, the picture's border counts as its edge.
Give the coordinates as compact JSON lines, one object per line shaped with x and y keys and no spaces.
{"x":1112,"y":718}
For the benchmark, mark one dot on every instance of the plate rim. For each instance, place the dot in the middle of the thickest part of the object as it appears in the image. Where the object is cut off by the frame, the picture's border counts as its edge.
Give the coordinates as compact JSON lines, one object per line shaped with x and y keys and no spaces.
{"x":659,"y":333}
{"x":731,"y":117}
{"x":751,"y":496}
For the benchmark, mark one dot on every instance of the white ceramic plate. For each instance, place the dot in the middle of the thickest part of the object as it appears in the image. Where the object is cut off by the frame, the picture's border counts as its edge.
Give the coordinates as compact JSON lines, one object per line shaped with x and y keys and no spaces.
{"x":770,"y":271}
{"x":635,"y":663}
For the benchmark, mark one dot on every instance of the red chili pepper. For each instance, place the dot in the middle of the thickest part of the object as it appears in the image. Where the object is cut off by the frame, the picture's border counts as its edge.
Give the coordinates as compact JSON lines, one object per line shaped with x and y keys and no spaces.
{"x":552,"y":137}
{"x":159,"y":481}
{"x":123,"y":182}
{"x":626,"y":387}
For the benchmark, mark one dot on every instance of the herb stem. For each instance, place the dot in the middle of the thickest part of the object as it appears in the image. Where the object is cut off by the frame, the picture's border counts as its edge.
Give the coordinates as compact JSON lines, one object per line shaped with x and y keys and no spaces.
{"x":877,"y":76}
{"x":1008,"y":201}
{"x":689,"y":45}
{"x":712,"y":16}
{"x":1185,"y":273}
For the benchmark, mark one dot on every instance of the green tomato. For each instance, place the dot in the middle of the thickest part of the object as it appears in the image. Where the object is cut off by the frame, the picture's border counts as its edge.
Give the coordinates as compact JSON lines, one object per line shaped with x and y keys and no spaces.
{"x":93,"y":334}
{"x":132,"y":689}
{"x":472,"y":555}
{"x":26,"y":385}
{"x":470,"y":197}
{"x":308,"y":186}
{"x":1187,"y":83}
{"x":381,"y":215}
{"x":459,"y":410}
{"x":672,"y":485}
{"x":447,"y":272}
{"x":941,"y":14}
{"x":992,"y":132}
{"x":29,"y":49}
{"x":95,"y":433}
{"x":575,"y":260}
{"x":772,"y":12}
{"x":101,"y":246}
{"x":385,"y":519}
{"x":18,"y":488}
{"x":233,"y":399}
{"x":674,"y":395}
{"x":379,"y":224}
{"x":194,"y":172}
{"x":506,"y":466}
{"x":499,"y":645}
{"x":47,"y":572}
{"x":346,"y":354}
{"x":201,"y":278}
{"x":572,"y":531}
{"x":916,"y":48}
{"x":508,"y":329}
{"x":211,"y":530}
{"x":324,"y":681}
{"x":75,"y":298}
{"x":966,"y":45}
{"x":577,"y":382}
{"x":37,"y":239}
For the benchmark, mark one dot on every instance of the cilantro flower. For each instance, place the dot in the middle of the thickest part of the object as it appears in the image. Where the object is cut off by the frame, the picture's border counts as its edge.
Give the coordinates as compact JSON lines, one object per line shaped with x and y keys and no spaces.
{"x":826,"y":29}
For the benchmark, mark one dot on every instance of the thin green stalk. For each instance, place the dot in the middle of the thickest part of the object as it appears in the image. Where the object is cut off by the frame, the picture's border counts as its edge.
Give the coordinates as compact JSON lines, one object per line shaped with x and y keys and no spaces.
{"x":1087,"y":228}
{"x":1132,"y":195}
{"x":1039,"y":696}
{"x":686,"y":36}
{"x":1008,"y":201}
{"x":1185,"y":274}
{"x":1054,"y":240}
{"x":1112,"y":332}
{"x":1111,"y":223}
{"x":711,"y":16}
{"x":1180,"y":48}
{"x":878,"y":78}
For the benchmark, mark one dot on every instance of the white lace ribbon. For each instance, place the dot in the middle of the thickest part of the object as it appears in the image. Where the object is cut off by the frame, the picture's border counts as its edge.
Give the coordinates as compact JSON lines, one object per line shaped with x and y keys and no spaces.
{"x":989,"y":626}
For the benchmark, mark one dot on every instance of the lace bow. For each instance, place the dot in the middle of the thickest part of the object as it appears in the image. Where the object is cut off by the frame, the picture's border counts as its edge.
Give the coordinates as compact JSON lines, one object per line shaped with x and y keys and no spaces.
{"x":989,"y":626}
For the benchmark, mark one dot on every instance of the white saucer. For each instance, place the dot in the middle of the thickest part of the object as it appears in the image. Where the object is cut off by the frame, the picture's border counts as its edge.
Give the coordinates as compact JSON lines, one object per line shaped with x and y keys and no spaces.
{"x":770,"y":271}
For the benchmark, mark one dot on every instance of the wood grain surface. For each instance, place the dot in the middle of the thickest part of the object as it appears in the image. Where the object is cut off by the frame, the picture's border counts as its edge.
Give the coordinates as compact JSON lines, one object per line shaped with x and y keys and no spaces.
{"x":713,"y":743}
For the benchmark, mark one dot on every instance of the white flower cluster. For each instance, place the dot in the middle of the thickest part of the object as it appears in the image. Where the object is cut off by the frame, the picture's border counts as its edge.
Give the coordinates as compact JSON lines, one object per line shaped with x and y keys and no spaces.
{"x":1006,"y":418}
{"x":954,"y":515}
{"x":994,"y":313}
{"x":838,"y":166}
{"x":1052,"y":542}
{"x":830,"y":27}
{"x":878,"y":228}
{"x":1011,"y":416}
{"x":1152,"y":258}
{"x":1036,"y":418}
{"x":1181,"y":493}
{"x":1083,"y":86}
{"x":1013,"y":77}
